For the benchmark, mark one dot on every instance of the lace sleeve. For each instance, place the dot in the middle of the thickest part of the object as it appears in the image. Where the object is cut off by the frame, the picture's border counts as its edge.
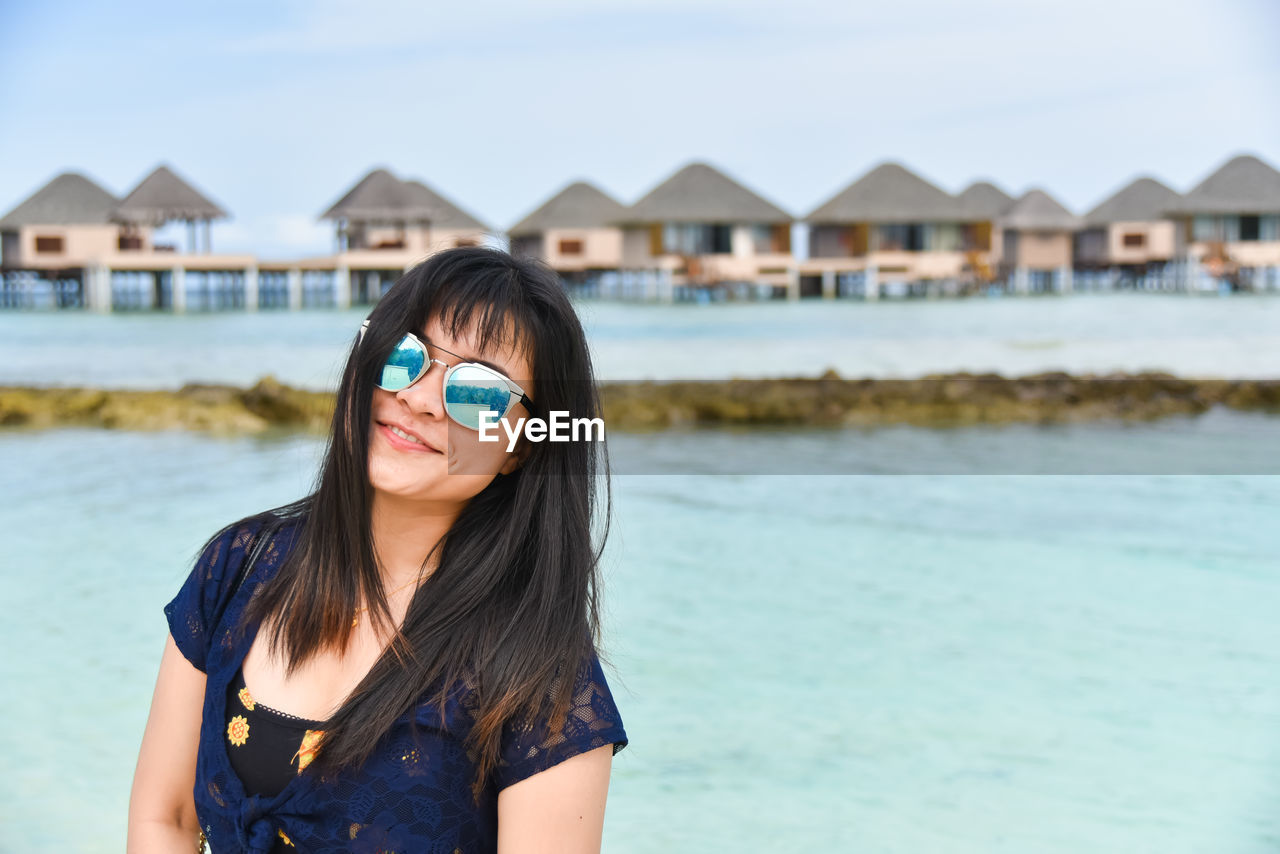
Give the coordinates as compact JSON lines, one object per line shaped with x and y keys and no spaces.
{"x":192,"y":613}
{"x":530,"y":746}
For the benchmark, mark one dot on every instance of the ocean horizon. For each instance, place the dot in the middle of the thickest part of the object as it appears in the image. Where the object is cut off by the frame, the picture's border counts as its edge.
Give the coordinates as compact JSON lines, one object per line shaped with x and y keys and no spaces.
{"x":1234,"y":337}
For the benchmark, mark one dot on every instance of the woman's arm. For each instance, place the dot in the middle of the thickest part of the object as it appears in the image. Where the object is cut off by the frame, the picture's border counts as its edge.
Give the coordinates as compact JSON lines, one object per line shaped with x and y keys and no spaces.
{"x":558,"y":810}
{"x":162,"y":811}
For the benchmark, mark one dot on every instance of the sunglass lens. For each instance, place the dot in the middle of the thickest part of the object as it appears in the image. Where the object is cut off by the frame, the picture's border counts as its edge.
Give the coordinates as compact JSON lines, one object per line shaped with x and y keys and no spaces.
{"x":403,"y":366}
{"x":471,"y":390}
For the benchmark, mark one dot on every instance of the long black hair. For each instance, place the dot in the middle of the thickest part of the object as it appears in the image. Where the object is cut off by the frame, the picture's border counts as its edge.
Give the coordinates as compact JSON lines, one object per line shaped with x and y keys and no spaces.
{"x":513,"y":602}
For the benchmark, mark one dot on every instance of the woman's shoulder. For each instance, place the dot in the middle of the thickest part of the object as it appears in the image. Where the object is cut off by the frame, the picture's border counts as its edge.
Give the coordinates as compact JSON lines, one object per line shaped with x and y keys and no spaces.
{"x":198,"y":608}
{"x":260,"y":539}
{"x":533,"y":742}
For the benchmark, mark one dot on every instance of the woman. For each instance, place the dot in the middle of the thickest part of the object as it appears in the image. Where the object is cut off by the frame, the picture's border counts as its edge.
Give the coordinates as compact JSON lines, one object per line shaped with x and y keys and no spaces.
{"x":405,"y":659}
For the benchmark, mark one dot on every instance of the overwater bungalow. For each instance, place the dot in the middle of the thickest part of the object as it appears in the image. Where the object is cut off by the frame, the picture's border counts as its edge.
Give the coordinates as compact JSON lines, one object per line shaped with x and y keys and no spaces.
{"x":74,"y":244}
{"x":66,"y":224}
{"x":701,"y":229}
{"x":379,"y":214}
{"x":384,"y":225}
{"x":574,"y":232}
{"x":699,"y":233}
{"x":450,"y":225}
{"x":73,"y":223}
{"x":1230,"y":224}
{"x":1129,"y":232}
{"x":1036,"y":243}
{"x":160,"y":198}
{"x":385,"y":214}
{"x":892,"y":231}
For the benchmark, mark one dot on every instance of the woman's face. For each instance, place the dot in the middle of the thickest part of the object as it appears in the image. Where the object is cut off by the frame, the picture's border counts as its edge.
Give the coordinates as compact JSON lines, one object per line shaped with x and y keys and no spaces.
{"x":449,"y":464}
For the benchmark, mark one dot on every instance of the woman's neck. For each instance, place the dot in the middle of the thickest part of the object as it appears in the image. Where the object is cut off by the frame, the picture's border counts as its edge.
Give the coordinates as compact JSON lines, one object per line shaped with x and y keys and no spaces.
{"x":404,"y":532}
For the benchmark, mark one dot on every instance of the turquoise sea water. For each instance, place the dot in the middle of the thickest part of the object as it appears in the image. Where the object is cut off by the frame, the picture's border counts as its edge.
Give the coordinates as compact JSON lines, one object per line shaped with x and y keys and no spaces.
{"x":1014,"y":639}
{"x":936,"y":662}
{"x":1236,"y":336}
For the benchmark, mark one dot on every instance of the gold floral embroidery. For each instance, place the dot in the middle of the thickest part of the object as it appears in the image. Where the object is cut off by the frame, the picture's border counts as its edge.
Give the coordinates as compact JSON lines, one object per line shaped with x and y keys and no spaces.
{"x":238,"y":730}
{"x":285,"y":837}
{"x":307,"y":750}
{"x":245,"y":699}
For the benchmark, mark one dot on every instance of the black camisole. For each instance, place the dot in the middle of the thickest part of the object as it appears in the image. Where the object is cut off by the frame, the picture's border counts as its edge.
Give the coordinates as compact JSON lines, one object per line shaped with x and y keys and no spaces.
{"x":267,"y":748}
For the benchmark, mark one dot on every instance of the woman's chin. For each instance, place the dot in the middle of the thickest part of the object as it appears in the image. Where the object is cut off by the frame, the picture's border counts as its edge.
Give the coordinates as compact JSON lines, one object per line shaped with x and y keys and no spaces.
{"x":407,"y":482}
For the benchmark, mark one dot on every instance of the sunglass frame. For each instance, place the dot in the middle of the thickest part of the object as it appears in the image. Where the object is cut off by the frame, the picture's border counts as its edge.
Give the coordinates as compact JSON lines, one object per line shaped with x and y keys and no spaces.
{"x":516,"y":392}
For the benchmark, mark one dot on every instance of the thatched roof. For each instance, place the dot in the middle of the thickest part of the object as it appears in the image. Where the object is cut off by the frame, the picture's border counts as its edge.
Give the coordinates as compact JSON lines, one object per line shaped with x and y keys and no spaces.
{"x":379,"y":196}
{"x":888,"y":193}
{"x":444,"y":213}
{"x":1144,"y":200}
{"x":701,"y":193}
{"x":1243,"y":184}
{"x":382,"y":197}
{"x":1039,"y":211}
{"x":69,"y":199}
{"x":984,"y":200}
{"x":163,"y":197}
{"x":579,"y":205}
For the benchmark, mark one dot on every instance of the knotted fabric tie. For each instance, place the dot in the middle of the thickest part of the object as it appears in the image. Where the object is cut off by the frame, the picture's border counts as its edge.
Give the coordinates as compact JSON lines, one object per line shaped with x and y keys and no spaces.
{"x":256,"y":832}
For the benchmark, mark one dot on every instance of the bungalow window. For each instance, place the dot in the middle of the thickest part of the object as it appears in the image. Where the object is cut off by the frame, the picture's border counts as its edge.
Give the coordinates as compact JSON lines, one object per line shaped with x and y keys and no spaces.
{"x":1205,"y":228}
{"x":762,"y":241}
{"x":1217,"y":228}
{"x":721,"y":238}
{"x":1134,"y":240}
{"x":900,"y":237}
{"x":1269,"y":228}
{"x":48,"y":245}
{"x":1250,"y":227}
{"x":570,"y":247}
{"x":770,"y":239}
{"x":830,"y":241}
{"x":942,"y":237}
{"x":696,"y":239}
{"x":129,"y":243}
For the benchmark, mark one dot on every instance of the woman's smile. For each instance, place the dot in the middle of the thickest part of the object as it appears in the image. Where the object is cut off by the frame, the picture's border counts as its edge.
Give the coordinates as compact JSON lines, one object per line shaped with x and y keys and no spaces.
{"x":405,"y":440}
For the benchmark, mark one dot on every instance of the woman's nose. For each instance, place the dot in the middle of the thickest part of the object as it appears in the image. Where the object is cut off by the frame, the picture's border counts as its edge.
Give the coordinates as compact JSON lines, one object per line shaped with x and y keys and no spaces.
{"x":426,"y":395}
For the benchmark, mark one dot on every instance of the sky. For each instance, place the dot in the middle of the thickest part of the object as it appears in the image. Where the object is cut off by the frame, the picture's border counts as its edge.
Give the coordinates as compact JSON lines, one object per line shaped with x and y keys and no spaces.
{"x":276,"y":110}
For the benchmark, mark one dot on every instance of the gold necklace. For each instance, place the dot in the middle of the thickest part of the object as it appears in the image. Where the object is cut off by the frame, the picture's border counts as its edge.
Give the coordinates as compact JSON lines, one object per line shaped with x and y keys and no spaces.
{"x":355,"y":618}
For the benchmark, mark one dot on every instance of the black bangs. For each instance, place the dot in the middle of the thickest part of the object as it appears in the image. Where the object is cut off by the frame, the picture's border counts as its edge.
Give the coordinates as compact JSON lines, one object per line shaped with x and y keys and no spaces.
{"x":468,"y":290}
{"x":489,"y":301}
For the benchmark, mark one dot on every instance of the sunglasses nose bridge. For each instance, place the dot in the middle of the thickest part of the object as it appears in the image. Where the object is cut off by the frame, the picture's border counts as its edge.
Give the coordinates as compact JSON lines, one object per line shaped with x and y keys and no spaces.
{"x":426,"y":393}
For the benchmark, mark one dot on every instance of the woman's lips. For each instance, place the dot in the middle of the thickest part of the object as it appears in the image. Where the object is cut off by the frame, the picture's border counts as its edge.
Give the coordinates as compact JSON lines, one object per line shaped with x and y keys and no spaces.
{"x":402,"y":444}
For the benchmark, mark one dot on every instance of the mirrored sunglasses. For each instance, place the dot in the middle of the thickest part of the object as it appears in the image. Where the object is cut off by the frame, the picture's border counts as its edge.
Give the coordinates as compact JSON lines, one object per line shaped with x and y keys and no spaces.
{"x":469,"y":387}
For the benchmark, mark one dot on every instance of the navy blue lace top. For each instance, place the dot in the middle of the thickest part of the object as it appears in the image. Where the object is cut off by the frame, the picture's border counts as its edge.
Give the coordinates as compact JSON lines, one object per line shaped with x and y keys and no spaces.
{"x":414,"y":793}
